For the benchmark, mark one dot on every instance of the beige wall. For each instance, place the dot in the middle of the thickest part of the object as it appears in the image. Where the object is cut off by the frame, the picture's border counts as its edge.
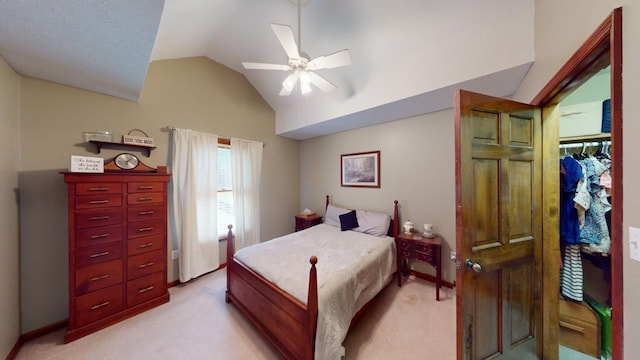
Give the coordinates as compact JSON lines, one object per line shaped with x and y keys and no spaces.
{"x":417,"y":169}
{"x":9,"y":161}
{"x":561,"y":27}
{"x":194,"y":93}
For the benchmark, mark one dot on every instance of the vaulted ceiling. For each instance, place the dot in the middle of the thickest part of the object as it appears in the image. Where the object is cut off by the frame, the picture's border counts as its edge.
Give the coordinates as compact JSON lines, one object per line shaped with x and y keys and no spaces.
{"x":408,"y":56}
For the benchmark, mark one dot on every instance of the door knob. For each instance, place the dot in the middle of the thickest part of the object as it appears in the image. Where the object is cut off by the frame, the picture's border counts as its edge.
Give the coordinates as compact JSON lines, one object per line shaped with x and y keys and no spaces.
{"x":469,"y":264}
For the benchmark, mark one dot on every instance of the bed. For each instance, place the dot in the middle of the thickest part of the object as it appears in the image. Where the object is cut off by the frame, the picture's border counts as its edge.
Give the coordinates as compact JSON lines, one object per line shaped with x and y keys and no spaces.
{"x":308,"y":317}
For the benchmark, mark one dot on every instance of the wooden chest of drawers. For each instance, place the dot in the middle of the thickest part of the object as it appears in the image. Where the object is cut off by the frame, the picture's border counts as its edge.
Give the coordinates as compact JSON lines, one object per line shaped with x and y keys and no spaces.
{"x":117,"y":247}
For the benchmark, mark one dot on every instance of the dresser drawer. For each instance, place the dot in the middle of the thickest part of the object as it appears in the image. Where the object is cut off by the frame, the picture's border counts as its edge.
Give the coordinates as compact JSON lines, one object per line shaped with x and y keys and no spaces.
{"x":99,"y":304}
{"x":98,"y":188}
{"x":145,"y":288}
{"x":100,"y":276}
{"x":145,"y":244}
{"x":145,"y":264}
{"x":97,"y":236}
{"x":100,"y":217}
{"x":146,"y":228}
{"x":97,"y":201}
{"x":146,"y":212}
{"x":579,"y":327}
{"x":145,"y":198}
{"x":98,"y":254}
{"x":137,"y":187}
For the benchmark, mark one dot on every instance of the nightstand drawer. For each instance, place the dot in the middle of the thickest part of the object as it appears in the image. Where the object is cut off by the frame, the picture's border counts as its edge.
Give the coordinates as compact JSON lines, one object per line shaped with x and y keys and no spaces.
{"x":423,"y":254}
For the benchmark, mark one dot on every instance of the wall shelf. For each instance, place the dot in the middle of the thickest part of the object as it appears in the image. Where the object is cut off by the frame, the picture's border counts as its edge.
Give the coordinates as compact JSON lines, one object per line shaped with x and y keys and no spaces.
{"x":113,"y":144}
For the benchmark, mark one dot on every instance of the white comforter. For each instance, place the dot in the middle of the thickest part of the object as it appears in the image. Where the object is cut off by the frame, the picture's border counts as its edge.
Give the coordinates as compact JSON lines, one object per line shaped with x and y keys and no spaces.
{"x":352,"y":268}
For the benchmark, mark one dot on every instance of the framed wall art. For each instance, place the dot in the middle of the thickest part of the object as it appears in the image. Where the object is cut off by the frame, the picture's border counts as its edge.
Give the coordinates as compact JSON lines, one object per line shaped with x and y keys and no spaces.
{"x":360,"y":169}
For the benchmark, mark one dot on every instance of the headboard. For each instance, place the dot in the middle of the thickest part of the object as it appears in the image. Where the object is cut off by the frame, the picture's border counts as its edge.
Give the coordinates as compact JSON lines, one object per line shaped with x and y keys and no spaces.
{"x":394,"y":226}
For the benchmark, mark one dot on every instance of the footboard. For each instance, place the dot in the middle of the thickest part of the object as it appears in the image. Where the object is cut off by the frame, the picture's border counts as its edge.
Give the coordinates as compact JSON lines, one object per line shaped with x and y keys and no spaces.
{"x":285,"y":321}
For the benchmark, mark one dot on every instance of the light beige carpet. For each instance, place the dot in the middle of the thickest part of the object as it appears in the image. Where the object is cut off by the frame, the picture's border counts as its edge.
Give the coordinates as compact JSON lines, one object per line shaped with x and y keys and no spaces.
{"x":402,"y":323}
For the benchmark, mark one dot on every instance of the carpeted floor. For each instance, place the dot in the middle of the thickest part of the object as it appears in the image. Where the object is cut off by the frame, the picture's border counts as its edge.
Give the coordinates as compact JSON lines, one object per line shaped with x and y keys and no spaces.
{"x":402,"y":323}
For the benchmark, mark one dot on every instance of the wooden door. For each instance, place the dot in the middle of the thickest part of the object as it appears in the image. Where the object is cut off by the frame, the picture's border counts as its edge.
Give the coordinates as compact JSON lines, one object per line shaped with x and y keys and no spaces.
{"x":498,"y":228}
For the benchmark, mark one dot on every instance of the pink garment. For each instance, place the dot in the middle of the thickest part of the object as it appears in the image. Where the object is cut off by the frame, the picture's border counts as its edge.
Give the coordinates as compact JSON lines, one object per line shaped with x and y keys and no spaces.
{"x":605,"y":181}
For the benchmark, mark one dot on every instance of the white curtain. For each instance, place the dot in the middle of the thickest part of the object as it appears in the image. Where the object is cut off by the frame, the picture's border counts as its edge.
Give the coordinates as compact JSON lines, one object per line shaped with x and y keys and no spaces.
{"x":194,"y":183}
{"x":246,"y":165}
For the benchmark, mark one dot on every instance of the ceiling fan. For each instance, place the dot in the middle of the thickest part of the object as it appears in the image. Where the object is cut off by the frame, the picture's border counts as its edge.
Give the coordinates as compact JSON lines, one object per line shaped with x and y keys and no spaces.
{"x":299,"y":63}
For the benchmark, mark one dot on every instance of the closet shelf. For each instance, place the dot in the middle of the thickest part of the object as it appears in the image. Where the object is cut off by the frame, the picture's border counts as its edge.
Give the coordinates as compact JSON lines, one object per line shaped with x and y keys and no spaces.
{"x":595,"y":137}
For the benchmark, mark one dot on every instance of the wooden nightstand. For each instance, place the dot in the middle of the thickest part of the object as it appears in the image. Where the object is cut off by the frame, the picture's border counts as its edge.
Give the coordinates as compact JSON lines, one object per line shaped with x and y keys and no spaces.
{"x":307,"y":221}
{"x":417,"y":247}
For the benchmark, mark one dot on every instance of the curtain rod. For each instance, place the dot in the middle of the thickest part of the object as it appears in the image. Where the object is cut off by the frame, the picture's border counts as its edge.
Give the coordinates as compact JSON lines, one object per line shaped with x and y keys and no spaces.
{"x":171,"y":127}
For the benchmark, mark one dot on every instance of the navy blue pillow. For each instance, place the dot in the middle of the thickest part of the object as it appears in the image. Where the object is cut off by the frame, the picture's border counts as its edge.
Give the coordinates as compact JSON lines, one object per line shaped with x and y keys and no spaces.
{"x":348,"y":221}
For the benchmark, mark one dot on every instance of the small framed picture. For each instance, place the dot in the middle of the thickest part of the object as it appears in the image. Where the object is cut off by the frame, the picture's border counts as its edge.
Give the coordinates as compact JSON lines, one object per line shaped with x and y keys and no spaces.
{"x":360,"y":169}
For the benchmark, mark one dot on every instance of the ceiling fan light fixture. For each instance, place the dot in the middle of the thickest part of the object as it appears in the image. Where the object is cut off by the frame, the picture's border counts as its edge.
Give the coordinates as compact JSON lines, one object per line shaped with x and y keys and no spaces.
{"x":305,"y":83}
{"x":299,"y":63}
{"x":288,"y":83}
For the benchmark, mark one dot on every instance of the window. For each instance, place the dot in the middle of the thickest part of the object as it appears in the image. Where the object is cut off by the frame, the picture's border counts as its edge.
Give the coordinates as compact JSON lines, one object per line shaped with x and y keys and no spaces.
{"x":225,"y":191}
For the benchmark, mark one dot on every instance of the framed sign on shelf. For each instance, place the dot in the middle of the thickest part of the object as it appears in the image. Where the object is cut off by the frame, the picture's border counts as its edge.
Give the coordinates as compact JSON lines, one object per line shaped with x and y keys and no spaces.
{"x":360,"y":169}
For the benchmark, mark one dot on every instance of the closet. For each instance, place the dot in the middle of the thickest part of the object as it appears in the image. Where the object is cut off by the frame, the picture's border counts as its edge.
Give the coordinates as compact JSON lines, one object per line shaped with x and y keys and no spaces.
{"x":585,"y":219}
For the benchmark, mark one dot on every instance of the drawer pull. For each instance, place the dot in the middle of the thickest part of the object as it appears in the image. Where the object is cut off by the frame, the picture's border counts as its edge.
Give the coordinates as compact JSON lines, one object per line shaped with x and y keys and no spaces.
{"x":145,"y":199}
{"x":94,"y":202}
{"x":99,"y":189}
{"x":142,"y":246}
{"x":146,"y":212}
{"x":95,"y":307}
{"x":140,"y":291}
{"x":99,"y":236}
{"x":101,"y":277}
{"x":573,"y":327}
{"x":145,"y":229}
{"x":104,"y":253}
{"x":150,"y":263}
{"x":99,"y":217}
{"x":145,"y":187}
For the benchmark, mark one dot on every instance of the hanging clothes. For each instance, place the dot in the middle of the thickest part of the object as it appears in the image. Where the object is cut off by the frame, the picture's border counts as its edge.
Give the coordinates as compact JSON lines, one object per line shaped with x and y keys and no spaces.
{"x":570,"y":175}
{"x":571,"y":280}
{"x":595,"y":231}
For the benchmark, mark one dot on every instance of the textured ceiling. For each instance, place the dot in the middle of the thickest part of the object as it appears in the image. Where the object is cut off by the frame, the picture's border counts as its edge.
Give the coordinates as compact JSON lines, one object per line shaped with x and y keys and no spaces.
{"x":408,"y":55}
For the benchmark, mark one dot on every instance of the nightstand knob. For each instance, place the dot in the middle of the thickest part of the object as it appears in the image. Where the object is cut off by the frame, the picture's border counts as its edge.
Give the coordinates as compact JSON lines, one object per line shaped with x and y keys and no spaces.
{"x":469,"y":264}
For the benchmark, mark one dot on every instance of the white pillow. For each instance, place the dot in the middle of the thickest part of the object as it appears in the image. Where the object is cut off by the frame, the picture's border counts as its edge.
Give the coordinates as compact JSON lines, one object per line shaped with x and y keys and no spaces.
{"x":372,"y":223}
{"x":332,"y":215}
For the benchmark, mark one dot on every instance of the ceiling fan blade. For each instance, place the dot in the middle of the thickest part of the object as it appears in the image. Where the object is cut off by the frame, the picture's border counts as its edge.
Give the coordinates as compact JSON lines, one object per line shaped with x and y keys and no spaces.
{"x":289,"y":83}
{"x":287,"y":40}
{"x":320,"y":82}
{"x":340,"y":58}
{"x":263,"y":66}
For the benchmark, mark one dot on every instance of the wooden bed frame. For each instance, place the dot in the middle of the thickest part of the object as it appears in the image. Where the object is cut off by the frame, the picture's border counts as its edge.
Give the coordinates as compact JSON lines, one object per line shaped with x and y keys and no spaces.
{"x":287,"y":323}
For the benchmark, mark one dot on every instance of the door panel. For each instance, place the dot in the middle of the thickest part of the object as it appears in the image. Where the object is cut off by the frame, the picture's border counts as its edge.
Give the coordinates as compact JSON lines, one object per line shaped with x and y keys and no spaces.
{"x":498,"y":227}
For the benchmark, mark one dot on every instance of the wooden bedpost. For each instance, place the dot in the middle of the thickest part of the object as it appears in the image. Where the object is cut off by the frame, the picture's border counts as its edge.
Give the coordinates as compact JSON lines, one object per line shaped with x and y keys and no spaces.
{"x":326,"y":203}
{"x":230,"y":253}
{"x":312,"y":308}
{"x":396,"y":220}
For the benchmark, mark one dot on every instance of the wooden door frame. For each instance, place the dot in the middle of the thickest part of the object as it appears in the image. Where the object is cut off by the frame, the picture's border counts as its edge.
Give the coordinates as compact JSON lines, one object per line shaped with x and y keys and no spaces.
{"x":604,"y":45}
